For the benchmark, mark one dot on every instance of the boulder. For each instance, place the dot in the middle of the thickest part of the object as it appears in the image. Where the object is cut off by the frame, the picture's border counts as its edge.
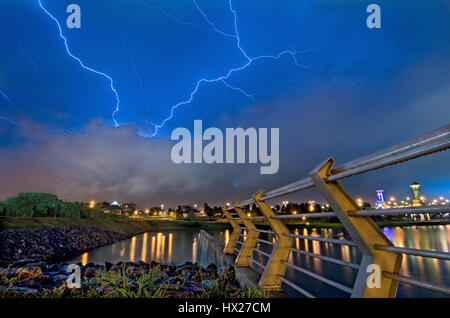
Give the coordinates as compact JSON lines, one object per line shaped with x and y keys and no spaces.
{"x":27,"y":273}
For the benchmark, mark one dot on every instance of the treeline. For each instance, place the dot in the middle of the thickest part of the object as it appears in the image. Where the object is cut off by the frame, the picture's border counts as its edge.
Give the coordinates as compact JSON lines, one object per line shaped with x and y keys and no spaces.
{"x":37,"y":204}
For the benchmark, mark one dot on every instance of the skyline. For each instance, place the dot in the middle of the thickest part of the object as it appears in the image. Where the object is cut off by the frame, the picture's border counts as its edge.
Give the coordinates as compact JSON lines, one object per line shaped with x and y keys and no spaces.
{"x":362,"y":90}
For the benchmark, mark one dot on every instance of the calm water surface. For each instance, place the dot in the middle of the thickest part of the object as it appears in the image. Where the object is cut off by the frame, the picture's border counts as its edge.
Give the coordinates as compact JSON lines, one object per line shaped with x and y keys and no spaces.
{"x":176,"y":247}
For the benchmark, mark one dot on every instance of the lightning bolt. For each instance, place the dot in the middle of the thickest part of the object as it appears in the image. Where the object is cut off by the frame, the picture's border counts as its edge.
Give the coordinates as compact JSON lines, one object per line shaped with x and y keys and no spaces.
{"x":225,"y":77}
{"x":111,"y":82}
{"x":28,"y":57}
{"x":5,"y":96}
{"x":222,"y":78}
{"x":12,"y":122}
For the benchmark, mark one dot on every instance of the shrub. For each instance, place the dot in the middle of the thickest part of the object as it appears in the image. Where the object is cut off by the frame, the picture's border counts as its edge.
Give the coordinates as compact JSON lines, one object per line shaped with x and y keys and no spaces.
{"x":35,"y":204}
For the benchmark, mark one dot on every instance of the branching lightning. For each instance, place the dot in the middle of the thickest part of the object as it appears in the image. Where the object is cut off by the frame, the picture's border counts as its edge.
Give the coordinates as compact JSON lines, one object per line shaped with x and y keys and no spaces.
{"x":225,"y":77}
{"x":12,"y":122}
{"x":116,"y":109}
{"x":222,"y":78}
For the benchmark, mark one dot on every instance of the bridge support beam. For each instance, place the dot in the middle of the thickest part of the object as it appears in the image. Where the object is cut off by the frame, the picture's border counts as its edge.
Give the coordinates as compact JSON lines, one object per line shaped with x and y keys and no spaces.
{"x":243,"y":259}
{"x":364,"y":232}
{"x":276,"y":267}
{"x":231,"y":245}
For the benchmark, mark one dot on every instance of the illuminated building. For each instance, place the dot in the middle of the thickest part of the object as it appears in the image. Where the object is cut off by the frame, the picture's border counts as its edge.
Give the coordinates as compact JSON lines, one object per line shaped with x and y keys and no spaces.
{"x":113,"y":209}
{"x":381,"y":202}
{"x":417,"y":199}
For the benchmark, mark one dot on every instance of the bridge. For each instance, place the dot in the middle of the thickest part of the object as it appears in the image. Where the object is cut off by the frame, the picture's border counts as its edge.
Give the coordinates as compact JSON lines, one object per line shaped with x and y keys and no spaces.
{"x":377,"y":251}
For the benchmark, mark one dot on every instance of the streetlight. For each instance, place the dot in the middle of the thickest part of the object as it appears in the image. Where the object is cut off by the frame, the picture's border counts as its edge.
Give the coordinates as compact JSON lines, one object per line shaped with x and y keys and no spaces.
{"x":91,"y":204}
{"x":360,"y":201}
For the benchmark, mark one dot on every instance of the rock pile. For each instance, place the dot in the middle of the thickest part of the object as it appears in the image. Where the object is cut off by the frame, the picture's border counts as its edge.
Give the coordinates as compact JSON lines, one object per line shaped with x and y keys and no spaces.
{"x":55,"y":244}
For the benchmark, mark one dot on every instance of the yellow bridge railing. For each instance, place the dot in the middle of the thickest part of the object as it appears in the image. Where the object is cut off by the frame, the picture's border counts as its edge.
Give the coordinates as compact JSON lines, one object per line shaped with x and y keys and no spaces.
{"x":379,"y":256}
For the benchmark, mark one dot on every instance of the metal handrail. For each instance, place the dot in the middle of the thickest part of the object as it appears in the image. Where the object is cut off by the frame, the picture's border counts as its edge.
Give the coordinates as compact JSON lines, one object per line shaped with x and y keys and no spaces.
{"x":240,"y":242}
{"x":306,"y":215}
{"x":321,"y":278}
{"x":264,"y":241}
{"x":323,"y":239}
{"x":418,"y":283}
{"x":296,"y":287}
{"x":264,"y":231}
{"x":434,"y":141}
{"x":437,"y":140}
{"x":326,"y":258}
{"x":261,"y":252}
{"x":257,"y":263}
{"x":414,"y":251}
{"x":255,"y":218}
{"x":397,"y":211}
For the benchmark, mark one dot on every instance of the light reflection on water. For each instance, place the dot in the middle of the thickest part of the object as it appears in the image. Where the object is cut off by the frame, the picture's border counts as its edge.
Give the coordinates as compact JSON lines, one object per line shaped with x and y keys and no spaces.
{"x":176,"y":247}
{"x":171,"y":247}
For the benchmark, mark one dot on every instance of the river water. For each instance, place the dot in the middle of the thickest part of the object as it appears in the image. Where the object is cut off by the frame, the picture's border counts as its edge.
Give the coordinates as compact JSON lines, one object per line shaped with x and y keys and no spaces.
{"x":178,"y":246}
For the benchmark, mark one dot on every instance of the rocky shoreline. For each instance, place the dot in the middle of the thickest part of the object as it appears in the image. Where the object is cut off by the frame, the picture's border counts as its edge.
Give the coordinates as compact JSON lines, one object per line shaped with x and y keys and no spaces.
{"x":31,"y":265}
{"x":123,"y":280}
{"x":55,"y":244}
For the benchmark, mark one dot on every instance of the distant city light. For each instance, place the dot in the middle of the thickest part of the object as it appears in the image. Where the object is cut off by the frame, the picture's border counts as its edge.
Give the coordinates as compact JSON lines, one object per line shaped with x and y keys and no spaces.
{"x":91,"y":204}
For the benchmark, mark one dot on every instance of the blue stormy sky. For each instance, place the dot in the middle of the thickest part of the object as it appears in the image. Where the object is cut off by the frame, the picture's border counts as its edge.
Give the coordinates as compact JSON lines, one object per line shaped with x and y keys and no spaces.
{"x":349,"y":91}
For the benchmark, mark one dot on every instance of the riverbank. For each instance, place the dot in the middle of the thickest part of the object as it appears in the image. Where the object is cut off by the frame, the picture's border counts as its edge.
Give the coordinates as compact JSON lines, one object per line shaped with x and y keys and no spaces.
{"x":120,"y":224}
{"x":122,"y":280}
{"x":53,"y":245}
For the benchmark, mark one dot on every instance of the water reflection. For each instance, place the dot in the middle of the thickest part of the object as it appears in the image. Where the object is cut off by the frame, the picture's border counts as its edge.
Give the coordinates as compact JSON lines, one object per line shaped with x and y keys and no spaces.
{"x":176,"y":247}
{"x":173,"y":247}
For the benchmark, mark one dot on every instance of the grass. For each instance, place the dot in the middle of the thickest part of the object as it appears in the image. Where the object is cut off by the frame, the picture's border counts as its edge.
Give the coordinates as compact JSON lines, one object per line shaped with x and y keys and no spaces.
{"x":121,"y":284}
{"x":119,"y":224}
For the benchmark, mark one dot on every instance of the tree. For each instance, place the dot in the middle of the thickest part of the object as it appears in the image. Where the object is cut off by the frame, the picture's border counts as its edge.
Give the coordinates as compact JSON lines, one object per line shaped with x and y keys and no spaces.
{"x":366,"y":206}
{"x":208,"y":210}
{"x":179,"y":213}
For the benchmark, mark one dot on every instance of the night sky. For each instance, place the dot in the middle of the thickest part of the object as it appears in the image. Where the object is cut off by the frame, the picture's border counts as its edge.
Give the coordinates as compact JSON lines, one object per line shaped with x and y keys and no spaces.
{"x":339,"y":89}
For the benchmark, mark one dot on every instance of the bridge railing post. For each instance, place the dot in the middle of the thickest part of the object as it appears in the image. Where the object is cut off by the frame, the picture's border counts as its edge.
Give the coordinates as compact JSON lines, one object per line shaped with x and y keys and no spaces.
{"x":231,"y":245}
{"x":364,"y":232}
{"x":276,"y":265}
{"x":243,"y":259}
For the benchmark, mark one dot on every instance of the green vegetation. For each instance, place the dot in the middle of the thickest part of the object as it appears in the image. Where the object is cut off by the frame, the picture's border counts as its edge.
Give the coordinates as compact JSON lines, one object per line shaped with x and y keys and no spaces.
{"x":35,"y":204}
{"x":116,"y":223}
{"x":137,"y":283}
